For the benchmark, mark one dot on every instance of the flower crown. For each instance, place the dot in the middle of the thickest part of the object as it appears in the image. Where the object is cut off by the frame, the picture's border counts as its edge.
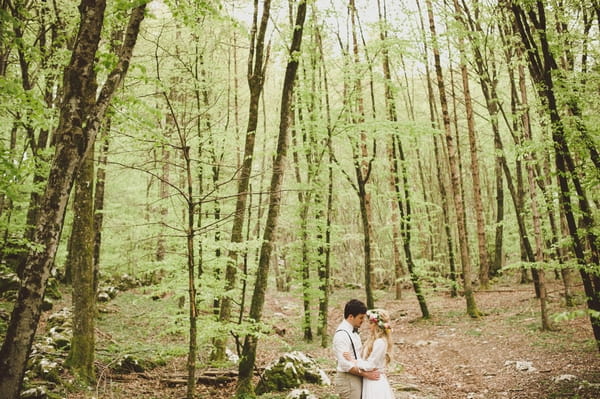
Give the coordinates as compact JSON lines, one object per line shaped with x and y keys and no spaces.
{"x":375,"y":317}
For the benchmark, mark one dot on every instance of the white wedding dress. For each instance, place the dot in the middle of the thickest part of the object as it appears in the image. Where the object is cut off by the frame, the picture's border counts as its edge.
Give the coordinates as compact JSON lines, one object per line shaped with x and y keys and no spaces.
{"x":376,"y":389}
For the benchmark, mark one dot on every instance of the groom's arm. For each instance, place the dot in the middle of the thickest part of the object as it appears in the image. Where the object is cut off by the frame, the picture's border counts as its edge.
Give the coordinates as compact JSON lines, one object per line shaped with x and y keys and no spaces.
{"x":341,"y":344}
{"x":369,"y":375}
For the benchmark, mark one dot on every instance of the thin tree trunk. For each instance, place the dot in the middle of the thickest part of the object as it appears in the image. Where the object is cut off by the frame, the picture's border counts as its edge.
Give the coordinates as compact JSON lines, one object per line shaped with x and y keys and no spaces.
{"x":99,"y":199}
{"x":438,"y":163}
{"x":193,"y":313}
{"x":499,"y":230}
{"x":454,"y":172}
{"x":325,"y":247}
{"x":256,"y":75}
{"x":304,"y":199}
{"x":394,"y":209}
{"x":244,"y":386}
{"x":402,"y":191}
{"x":484,"y":268}
{"x":163,"y":185}
{"x":539,"y":243}
{"x":400,"y":172}
{"x":37,"y":146}
{"x":362,"y":167}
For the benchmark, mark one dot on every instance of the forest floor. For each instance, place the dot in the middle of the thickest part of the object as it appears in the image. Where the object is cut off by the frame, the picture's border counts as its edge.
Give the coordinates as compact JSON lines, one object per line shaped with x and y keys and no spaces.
{"x":501,"y":355}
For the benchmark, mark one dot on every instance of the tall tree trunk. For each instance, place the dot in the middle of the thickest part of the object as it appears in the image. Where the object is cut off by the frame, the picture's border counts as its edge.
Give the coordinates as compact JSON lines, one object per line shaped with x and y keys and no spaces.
{"x":256,"y":74}
{"x":484,"y":268}
{"x":75,"y":134}
{"x":400,"y":171}
{"x":454,"y":172}
{"x":37,"y":146}
{"x":395,"y":210}
{"x":190,"y":234}
{"x":402,"y":191}
{"x":163,"y":188}
{"x":362,"y":165}
{"x":542,"y":65}
{"x":438,"y":163}
{"x":99,"y":199}
{"x":304,"y":199}
{"x":325,"y":246}
{"x":244,"y":386}
{"x":499,"y":227}
{"x":539,"y":243}
{"x":81,"y":259}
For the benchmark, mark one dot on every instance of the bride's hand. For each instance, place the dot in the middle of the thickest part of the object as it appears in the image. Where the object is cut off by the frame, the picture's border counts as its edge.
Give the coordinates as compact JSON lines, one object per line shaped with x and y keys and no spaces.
{"x":348,"y":356}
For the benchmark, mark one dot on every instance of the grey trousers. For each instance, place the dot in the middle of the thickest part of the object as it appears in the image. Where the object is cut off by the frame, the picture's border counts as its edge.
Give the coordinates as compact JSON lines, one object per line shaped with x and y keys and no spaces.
{"x":348,"y":386}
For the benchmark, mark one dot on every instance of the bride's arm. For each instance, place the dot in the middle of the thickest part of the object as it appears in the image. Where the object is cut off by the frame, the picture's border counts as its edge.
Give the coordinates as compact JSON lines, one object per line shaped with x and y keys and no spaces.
{"x":375,"y":357}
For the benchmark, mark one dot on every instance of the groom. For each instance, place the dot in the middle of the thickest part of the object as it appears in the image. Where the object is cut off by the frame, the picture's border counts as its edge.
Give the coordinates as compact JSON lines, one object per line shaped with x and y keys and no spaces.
{"x":348,"y":380}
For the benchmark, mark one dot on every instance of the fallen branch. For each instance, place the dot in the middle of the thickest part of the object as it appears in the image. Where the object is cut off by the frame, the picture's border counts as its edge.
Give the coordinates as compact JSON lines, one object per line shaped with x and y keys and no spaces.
{"x":206,"y":377}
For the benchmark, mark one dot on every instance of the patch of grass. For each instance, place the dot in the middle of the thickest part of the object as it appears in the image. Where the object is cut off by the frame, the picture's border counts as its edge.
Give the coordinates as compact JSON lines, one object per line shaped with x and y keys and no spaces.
{"x":474,"y":332}
{"x":153,"y":329}
{"x":454,"y":314}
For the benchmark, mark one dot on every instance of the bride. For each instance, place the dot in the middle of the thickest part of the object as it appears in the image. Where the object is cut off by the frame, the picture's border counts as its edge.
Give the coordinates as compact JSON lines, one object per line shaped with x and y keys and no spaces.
{"x":376,"y":355}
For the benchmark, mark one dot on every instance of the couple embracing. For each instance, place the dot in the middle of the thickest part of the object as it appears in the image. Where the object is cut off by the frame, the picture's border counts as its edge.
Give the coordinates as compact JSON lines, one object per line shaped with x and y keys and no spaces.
{"x":361,"y":367}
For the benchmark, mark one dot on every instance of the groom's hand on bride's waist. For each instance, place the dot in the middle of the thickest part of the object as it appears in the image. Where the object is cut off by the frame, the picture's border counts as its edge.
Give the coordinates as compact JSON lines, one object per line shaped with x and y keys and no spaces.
{"x":371,"y":374}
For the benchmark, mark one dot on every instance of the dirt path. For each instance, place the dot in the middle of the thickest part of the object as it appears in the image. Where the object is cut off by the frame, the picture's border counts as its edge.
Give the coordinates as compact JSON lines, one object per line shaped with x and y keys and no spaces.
{"x":501,"y":355}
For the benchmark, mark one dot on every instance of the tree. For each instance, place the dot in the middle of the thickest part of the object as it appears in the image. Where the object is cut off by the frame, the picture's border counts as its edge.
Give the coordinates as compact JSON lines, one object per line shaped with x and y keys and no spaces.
{"x":361,"y":159}
{"x":81,"y":260}
{"x":246,"y":368}
{"x":257,"y":60}
{"x":81,"y":115}
{"x":542,"y":65}
{"x":473,"y":146}
{"x":453,"y":162}
{"x":399,"y":170}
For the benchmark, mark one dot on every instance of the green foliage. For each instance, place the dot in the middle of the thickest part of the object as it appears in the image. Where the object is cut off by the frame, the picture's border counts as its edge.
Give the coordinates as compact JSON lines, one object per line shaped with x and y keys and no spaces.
{"x":552,"y":266}
{"x":574,"y":314}
{"x":431,"y":275}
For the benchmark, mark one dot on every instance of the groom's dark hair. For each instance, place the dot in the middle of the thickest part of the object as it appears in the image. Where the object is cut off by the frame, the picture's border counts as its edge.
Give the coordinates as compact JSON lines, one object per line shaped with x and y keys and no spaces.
{"x":354,"y":307}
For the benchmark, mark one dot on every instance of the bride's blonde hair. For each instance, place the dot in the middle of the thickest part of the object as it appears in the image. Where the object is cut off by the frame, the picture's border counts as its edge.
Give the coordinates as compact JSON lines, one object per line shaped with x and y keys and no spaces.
{"x":383,"y":330}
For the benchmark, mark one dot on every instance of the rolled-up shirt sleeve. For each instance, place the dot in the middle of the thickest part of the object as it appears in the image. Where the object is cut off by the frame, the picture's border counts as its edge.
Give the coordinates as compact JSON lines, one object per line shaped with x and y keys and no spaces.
{"x":341,"y":344}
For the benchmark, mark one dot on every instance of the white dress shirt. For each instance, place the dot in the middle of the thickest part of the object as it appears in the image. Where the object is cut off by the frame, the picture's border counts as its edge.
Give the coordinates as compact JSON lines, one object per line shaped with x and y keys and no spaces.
{"x":342,"y":343}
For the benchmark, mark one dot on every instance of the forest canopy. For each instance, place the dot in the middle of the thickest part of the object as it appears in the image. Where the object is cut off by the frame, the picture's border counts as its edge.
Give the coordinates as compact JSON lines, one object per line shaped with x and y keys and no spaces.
{"x":226,"y":145}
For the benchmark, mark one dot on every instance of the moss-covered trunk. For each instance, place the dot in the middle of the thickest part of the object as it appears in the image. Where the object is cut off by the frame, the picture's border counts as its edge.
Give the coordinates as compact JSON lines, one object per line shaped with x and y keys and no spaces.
{"x":74,"y":135}
{"x":81,"y":354}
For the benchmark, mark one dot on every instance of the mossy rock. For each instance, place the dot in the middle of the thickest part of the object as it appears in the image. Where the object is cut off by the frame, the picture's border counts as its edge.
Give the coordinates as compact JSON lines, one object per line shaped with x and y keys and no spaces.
{"x":9,"y":283}
{"x":53,"y":289}
{"x":48,"y":370}
{"x":290,"y":371}
{"x":35,"y":393}
{"x":62,"y":318}
{"x":130,"y":364}
{"x":126,"y":282}
{"x":60,"y":338}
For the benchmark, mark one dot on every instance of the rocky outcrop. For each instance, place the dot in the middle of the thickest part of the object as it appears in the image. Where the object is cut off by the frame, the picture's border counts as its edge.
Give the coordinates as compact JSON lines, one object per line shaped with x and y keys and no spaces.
{"x":290,"y":371}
